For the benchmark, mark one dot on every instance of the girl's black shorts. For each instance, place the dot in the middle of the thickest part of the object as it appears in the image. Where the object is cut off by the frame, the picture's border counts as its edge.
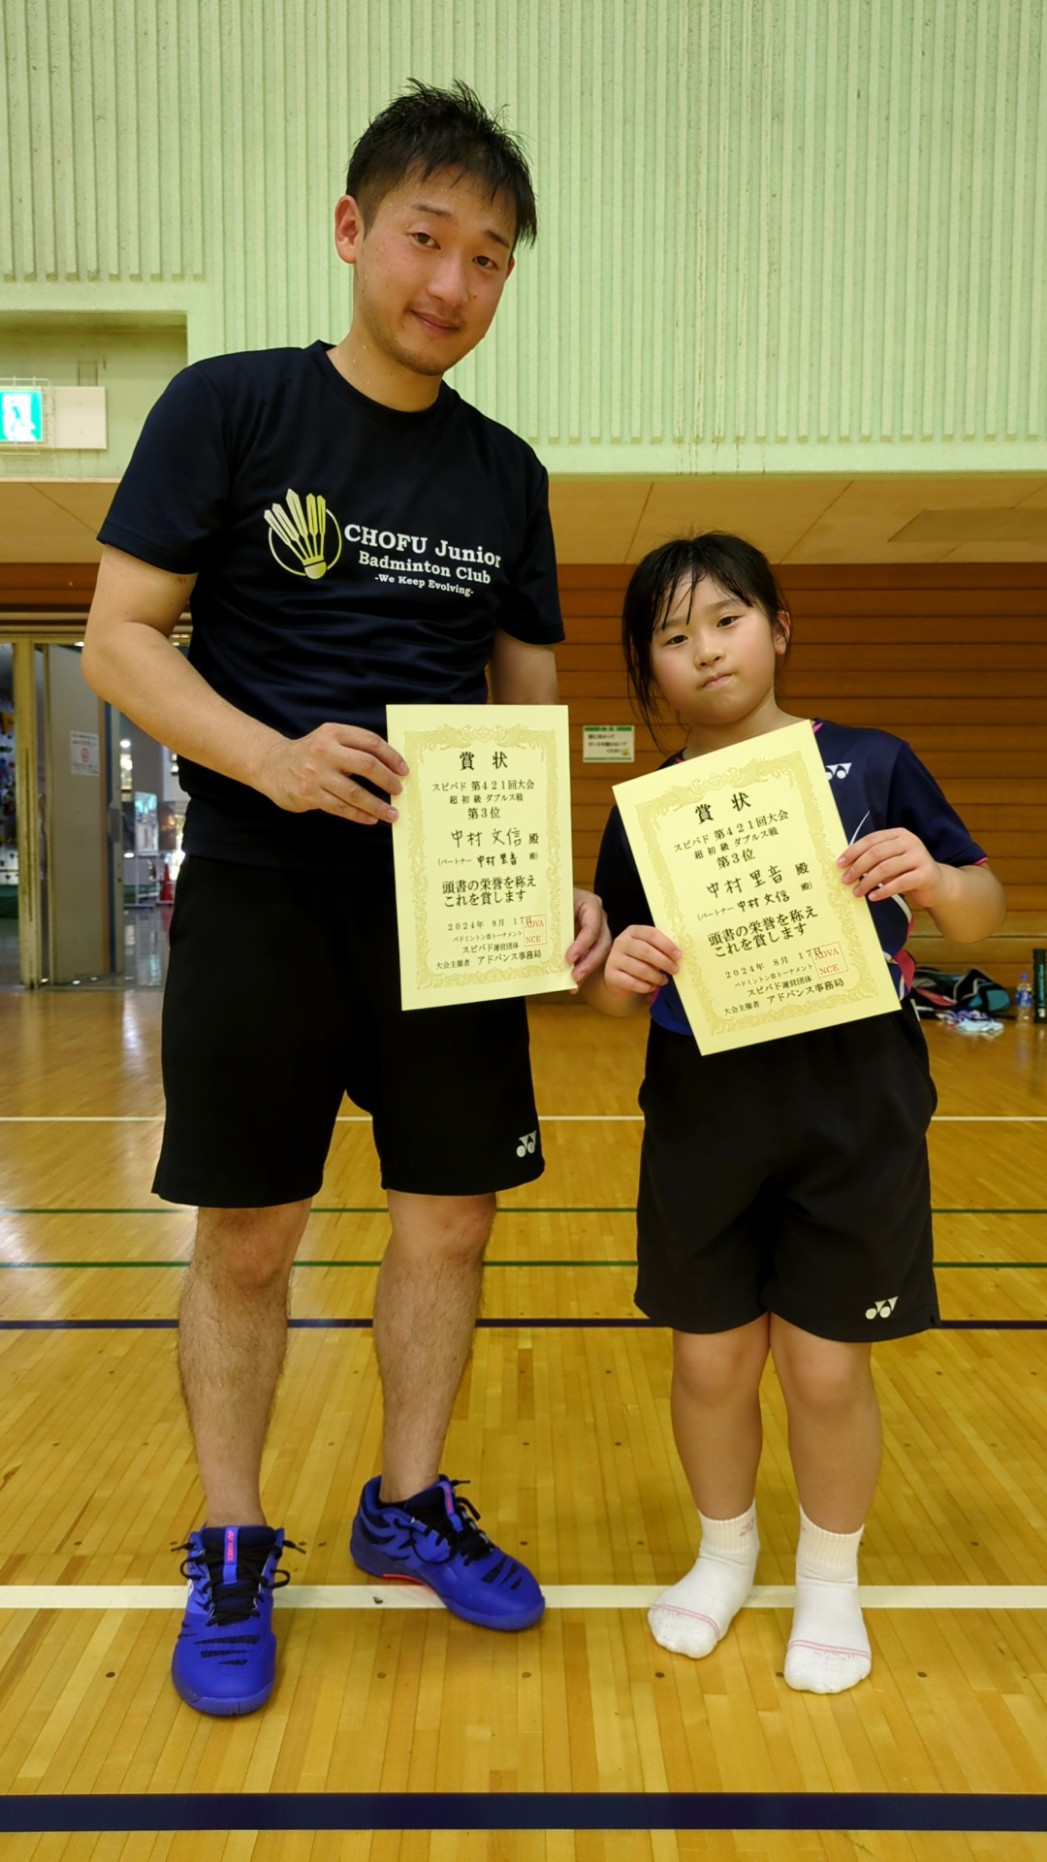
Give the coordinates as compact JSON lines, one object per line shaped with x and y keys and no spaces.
{"x":790,"y":1177}
{"x":283,"y":993}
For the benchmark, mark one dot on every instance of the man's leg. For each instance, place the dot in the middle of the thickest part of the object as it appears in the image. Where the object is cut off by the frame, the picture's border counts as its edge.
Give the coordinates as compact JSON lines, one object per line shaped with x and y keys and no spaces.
{"x":411,"y":1523}
{"x":424,"y":1316}
{"x":232,"y":1337}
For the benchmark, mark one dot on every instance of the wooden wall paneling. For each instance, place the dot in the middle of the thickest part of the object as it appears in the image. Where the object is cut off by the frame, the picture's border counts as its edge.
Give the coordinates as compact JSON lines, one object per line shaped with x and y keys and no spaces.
{"x":47,"y":585}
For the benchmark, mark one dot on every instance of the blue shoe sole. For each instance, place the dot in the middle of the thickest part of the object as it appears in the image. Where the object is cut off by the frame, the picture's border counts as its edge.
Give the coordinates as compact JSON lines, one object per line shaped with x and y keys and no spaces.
{"x":376,"y":1567}
{"x":222,"y":1709}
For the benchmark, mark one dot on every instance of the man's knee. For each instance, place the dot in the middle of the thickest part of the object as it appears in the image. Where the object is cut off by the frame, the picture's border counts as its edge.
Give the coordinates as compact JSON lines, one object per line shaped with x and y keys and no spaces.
{"x":249,"y":1249}
{"x":452,"y":1228}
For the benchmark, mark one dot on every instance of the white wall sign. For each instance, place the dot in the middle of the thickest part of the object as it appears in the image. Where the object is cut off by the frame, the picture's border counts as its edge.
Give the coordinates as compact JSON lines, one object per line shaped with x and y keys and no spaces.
{"x":608,"y":743}
{"x":80,"y":422}
{"x":83,"y":752}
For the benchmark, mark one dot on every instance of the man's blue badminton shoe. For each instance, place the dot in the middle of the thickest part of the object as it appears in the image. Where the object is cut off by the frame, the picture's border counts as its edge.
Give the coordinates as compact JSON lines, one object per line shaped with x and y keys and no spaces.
{"x":433,"y":1539}
{"x":225,"y":1656}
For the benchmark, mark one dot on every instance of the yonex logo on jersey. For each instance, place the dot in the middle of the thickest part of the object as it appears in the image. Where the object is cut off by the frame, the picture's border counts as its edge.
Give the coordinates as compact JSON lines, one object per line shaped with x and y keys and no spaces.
{"x":882,"y":1309}
{"x":304,"y":539}
{"x":527,"y":1145}
{"x":839,"y":770}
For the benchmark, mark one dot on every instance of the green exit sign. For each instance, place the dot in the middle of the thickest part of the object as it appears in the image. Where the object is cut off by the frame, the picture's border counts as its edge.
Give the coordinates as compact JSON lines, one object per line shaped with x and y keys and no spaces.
{"x":21,"y":417}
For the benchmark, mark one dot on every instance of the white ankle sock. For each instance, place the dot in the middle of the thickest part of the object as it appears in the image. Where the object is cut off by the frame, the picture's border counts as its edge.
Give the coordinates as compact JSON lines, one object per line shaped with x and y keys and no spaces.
{"x":691,"y":1618}
{"x":828,"y":1648}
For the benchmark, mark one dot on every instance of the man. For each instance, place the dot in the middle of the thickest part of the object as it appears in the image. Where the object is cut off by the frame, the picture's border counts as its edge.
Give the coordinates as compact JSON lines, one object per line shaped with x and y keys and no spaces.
{"x":314,"y":508}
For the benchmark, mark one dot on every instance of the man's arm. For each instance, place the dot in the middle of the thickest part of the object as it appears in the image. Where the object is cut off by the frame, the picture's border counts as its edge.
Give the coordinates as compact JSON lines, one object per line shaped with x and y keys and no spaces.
{"x":523,"y":674}
{"x":128,"y":659}
{"x":640,"y":962}
{"x":520,"y":673}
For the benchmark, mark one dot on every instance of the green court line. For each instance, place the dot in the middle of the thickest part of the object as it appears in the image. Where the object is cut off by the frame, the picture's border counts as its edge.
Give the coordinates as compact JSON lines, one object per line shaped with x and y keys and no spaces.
{"x":347,"y":1209}
{"x":539,"y":1261}
{"x":380,"y":1209}
{"x":21,"y":1267}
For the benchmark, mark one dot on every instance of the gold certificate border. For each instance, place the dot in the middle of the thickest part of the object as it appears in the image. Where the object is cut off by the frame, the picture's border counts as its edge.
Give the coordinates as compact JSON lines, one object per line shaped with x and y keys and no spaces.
{"x":547,"y":741}
{"x":798,"y":769}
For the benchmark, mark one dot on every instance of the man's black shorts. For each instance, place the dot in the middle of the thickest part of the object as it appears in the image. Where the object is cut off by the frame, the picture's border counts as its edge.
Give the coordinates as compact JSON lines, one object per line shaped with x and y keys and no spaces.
{"x":790,"y":1177}
{"x":283,"y":992}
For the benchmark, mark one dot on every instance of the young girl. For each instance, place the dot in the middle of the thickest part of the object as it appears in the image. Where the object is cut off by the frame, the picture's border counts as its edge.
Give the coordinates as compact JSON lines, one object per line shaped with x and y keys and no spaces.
{"x":784,"y":1202}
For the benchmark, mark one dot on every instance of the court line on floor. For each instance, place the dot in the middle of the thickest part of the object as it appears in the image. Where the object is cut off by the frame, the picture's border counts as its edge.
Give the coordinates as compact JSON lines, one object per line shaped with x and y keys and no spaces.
{"x":171,"y":1209}
{"x":539,"y":1260}
{"x":521,"y":1323}
{"x":850,"y":1811}
{"x":545,"y":1118}
{"x":557,"y":1597}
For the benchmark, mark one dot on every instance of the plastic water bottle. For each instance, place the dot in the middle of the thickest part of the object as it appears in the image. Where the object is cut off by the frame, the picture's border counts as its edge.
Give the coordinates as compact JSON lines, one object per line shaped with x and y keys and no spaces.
{"x":1023,"y":999}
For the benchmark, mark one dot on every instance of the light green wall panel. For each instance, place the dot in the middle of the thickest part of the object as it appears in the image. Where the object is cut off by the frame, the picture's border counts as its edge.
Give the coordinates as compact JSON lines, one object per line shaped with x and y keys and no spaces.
{"x":792,"y":235}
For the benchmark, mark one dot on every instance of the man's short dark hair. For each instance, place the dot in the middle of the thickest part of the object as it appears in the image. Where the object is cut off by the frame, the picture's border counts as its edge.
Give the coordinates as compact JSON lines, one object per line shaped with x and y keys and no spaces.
{"x":428,"y":129}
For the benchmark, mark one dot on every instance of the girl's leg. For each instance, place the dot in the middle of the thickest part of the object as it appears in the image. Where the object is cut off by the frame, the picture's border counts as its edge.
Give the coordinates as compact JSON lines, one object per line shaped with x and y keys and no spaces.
{"x":715,"y":1404}
{"x":716,"y":1423}
{"x":835,"y":1445}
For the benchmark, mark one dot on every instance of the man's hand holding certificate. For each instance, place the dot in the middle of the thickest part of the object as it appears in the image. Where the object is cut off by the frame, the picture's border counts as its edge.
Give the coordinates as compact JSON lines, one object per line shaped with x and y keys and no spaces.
{"x":738,"y":854}
{"x":482,"y":852}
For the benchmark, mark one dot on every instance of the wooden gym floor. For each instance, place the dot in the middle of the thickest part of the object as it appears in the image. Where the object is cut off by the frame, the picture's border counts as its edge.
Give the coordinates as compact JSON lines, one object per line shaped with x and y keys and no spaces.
{"x":396,"y":1733}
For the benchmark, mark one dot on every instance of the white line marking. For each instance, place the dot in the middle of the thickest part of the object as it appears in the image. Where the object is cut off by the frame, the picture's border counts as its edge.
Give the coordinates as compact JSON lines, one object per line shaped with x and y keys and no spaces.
{"x":557,"y":1597}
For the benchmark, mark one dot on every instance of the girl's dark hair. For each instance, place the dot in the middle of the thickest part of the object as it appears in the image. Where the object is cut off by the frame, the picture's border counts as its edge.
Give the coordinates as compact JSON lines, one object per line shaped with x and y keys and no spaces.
{"x":737,"y":566}
{"x":428,"y":129}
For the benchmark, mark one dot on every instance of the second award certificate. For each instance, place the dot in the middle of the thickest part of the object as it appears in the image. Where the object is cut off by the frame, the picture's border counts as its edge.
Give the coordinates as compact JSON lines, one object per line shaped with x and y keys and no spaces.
{"x":737,"y":852}
{"x":482,"y":852}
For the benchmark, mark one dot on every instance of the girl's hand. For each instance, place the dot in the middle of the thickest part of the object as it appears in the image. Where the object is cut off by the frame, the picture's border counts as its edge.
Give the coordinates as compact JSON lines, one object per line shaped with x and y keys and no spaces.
{"x":641,"y":961}
{"x":889,"y":861}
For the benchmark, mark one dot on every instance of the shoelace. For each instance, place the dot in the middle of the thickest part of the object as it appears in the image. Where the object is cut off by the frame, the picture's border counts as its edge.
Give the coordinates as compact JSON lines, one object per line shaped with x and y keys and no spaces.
{"x":468,"y":1541}
{"x":233,"y":1603}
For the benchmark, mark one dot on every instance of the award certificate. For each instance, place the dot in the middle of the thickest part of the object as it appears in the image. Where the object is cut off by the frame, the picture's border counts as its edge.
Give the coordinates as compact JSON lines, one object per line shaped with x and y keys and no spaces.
{"x":482,"y":852}
{"x":737,"y":853}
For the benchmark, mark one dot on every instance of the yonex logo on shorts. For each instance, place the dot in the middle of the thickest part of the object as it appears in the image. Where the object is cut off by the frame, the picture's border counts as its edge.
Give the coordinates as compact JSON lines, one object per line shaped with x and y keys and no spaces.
{"x":882,"y":1309}
{"x":527,"y":1145}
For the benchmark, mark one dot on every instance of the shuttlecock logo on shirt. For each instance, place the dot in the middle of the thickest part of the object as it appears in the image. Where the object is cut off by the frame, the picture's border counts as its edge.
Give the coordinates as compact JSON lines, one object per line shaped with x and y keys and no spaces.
{"x":306,"y":538}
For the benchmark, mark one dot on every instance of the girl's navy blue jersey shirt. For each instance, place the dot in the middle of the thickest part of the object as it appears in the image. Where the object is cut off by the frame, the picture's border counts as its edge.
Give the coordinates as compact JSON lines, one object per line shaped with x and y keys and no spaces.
{"x":346,"y":555}
{"x":877,"y":782}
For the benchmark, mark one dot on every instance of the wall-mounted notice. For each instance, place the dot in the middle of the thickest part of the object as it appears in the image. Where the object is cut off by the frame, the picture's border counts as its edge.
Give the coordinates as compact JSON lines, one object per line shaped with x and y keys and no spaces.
{"x":83,"y":753}
{"x":608,"y":743}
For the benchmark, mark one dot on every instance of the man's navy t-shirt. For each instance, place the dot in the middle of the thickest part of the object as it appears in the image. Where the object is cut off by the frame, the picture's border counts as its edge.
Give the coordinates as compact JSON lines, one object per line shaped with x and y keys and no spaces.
{"x":346,"y":555}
